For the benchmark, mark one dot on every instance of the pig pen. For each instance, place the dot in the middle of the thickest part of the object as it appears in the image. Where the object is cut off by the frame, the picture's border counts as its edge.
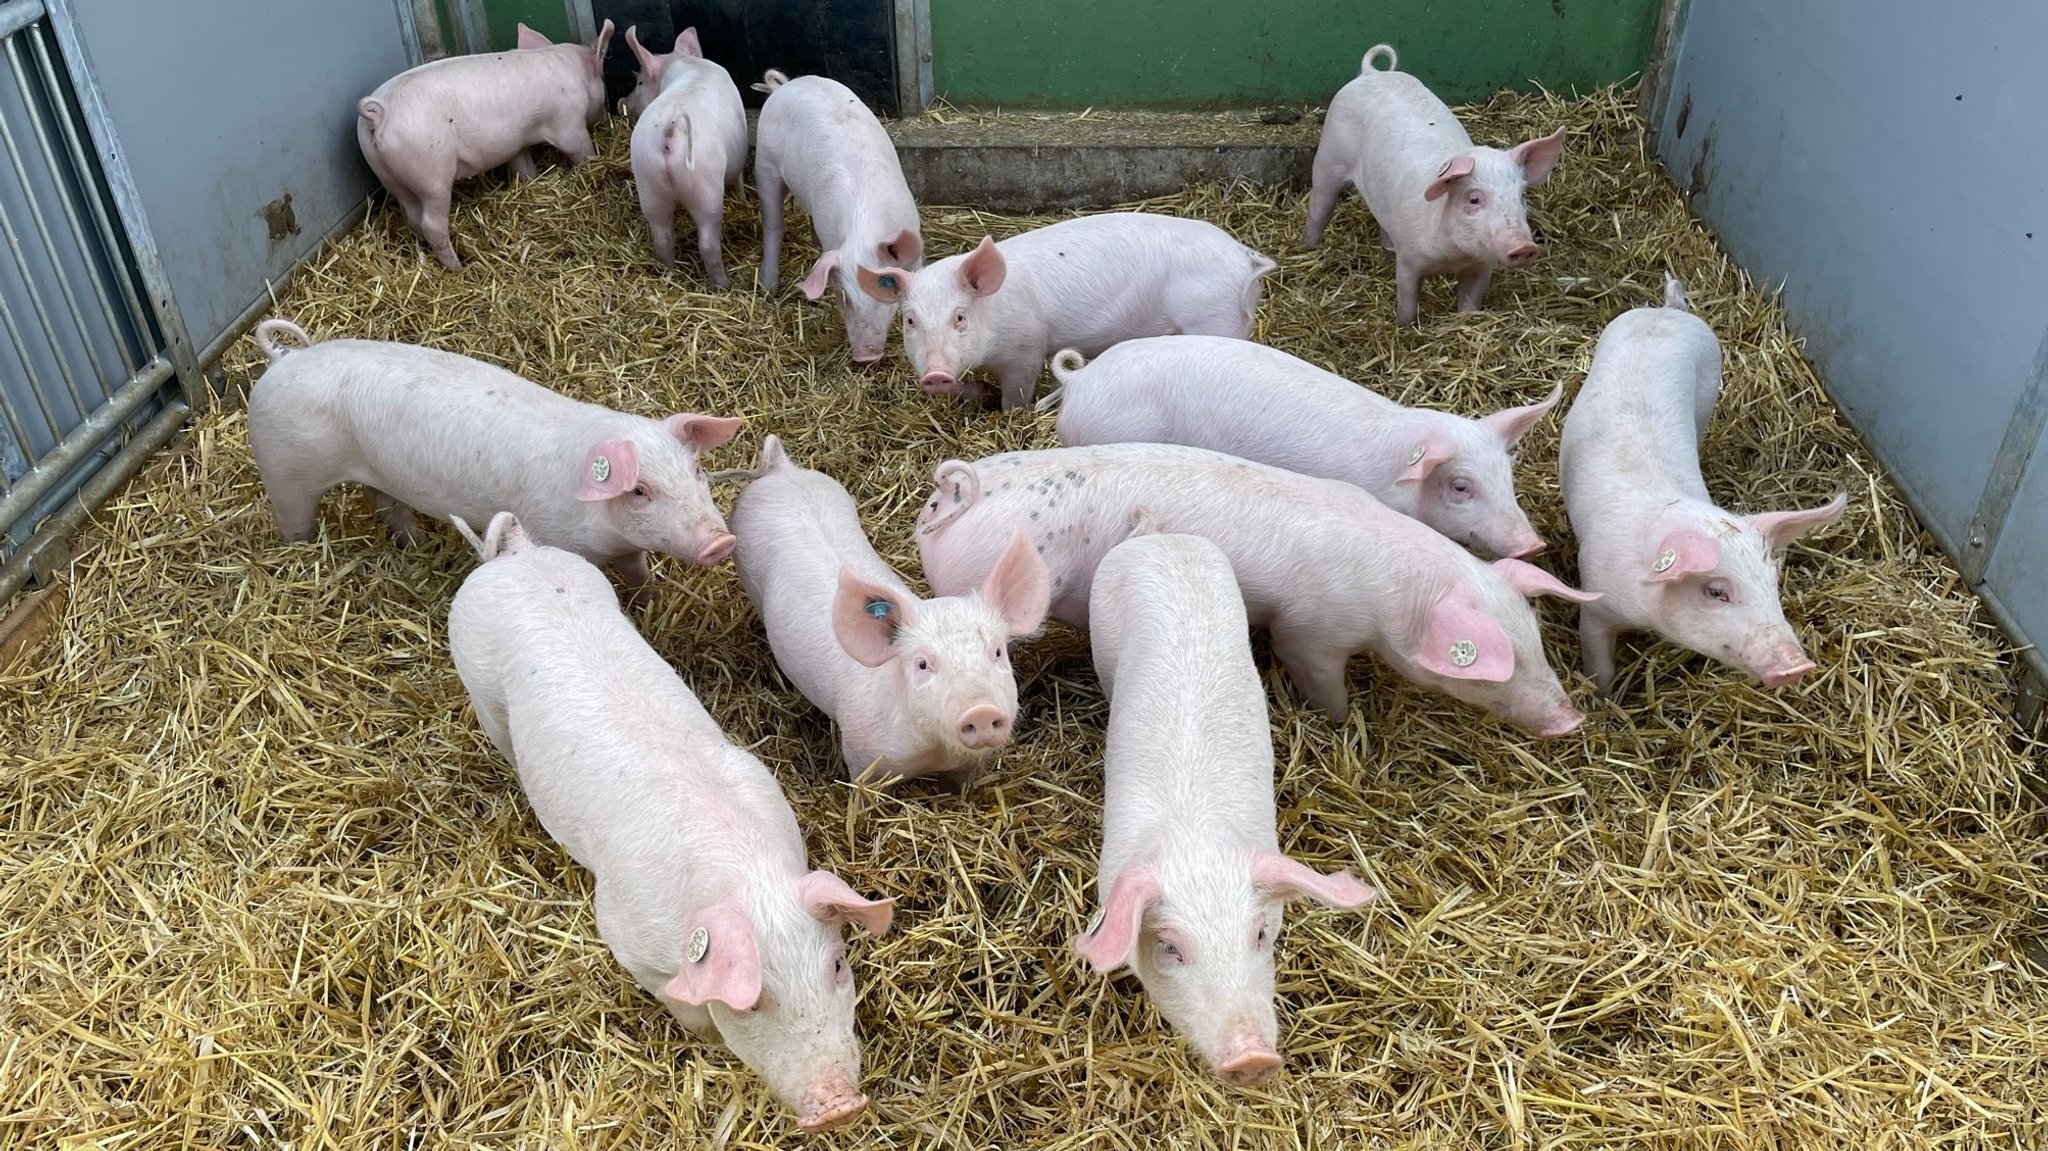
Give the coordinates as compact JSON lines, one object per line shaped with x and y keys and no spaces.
{"x":268,"y":886}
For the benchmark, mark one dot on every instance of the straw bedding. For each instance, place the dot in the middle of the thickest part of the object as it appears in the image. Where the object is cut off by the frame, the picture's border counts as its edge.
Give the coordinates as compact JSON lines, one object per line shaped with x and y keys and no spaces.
{"x":266,"y":885}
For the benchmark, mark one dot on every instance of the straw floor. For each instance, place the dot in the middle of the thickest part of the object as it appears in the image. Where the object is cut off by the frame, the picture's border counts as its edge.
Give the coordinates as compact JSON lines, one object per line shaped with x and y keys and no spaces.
{"x":265,"y":885}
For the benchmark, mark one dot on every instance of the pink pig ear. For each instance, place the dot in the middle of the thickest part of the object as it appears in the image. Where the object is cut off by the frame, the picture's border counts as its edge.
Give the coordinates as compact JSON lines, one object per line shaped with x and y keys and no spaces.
{"x":887,"y":285}
{"x":687,"y":44}
{"x":1107,"y":946}
{"x":649,"y":65}
{"x":1511,"y":424}
{"x":597,"y":50}
{"x":1537,"y":157}
{"x":1533,"y":581}
{"x":528,"y":38}
{"x":814,"y":285}
{"x":983,"y":270}
{"x":1781,"y":528}
{"x":1682,"y":553}
{"x":720,"y":963}
{"x":1288,"y":878}
{"x":609,"y":469}
{"x":866,"y":617}
{"x":702,"y":432}
{"x":1426,"y":457}
{"x":906,"y":250}
{"x":1462,"y":642}
{"x":1018,"y":586}
{"x":828,"y":898}
{"x":1455,"y":169}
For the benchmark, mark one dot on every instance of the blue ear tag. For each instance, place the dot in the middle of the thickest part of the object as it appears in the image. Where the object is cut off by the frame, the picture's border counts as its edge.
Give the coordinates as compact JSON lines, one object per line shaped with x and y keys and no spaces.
{"x":879,"y":608}
{"x":889,"y":282}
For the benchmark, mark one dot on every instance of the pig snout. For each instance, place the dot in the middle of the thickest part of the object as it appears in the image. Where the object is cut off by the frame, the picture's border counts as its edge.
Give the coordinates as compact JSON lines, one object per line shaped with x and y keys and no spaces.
{"x":867,"y":347}
{"x":1563,"y":721}
{"x":938,"y":383}
{"x":1248,"y":1061}
{"x":1786,"y":671}
{"x":829,"y":1103}
{"x":1777,"y":660}
{"x":1520,"y":254}
{"x":1525,"y":544}
{"x":983,"y":726}
{"x":716,"y":549}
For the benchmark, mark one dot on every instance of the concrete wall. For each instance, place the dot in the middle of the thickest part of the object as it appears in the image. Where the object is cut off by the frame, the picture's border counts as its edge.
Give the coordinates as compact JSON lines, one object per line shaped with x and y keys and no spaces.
{"x":1881,"y":161}
{"x":1224,"y":53}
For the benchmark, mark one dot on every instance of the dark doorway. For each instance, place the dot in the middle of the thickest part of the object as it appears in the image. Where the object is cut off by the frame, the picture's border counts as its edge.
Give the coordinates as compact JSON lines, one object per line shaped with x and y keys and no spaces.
{"x":852,"y":41}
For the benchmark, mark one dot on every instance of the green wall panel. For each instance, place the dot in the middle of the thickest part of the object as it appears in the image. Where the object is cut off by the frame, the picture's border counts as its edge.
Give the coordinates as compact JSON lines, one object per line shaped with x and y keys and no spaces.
{"x":1194,"y":53}
{"x":547,"y":17}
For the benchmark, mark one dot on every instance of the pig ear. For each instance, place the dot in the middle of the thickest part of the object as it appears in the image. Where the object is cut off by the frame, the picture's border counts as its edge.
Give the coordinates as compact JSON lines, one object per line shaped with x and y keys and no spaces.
{"x":1511,"y":424}
{"x":687,"y":44}
{"x":528,"y":38}
{"x":1425,"y":458}
{"x":904,"y":251}
{"x":1107,"y":946}
{"x":982,"y":271}
{"x":1462,"y":642}
{"x":1683,"y":553}
{"x":720,"y":963}
{"x":828,"y":898}
{"x":814,"y":285}
{"x":866,"y":617}
{"x":1781,"y":528}
{"x":609,"y":468}
{"x":597,"y":50}
{"x":1455,"y":169}
{"x":649,"y":66}
{"x":1537,"y":157}
{"x":1533,"y":581}
{"x":702,"y":432}
{"x":1018,"y":586}
{"x":1277,"y":874}
{"x":887,"y":285}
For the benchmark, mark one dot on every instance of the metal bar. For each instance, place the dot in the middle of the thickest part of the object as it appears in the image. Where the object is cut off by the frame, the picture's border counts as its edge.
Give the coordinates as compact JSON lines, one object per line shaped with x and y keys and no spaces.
{"x":1655,"y":89}
{"x":582,"y":21}
{"x":35,"y":385}
{"x":85,"y":248}
{"x":51,"y":470}
{"x":128,"y":202}
{"x":409,"y":34}
{"x":2008,"y":468}
{"x":28,"y":448}
{"x":87,"y":172}
{"x":924,"y":57}
{"x":12,"y":236}
{"x":18,"y":14}
{"x":472,"y":26}
{"x":16,"y":572}
{"x":212,"y":353}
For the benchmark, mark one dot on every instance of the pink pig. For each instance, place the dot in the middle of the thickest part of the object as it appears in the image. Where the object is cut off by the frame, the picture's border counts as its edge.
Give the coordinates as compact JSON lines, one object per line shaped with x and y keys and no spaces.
{"x":702,"y":892}
{"x":1329,"y":569}
{"x":450,"y":436}
{"x":689,"y":146}
{"x":1664,"y":556}
{"x":1444,"y":207}
{"x":918,"y":686}
{"x":1085,"y":283}
{"x":1192,"y":880}
{"x":451,"y":119}
{"x":1249,"y":400}
{"x":817,"y":139}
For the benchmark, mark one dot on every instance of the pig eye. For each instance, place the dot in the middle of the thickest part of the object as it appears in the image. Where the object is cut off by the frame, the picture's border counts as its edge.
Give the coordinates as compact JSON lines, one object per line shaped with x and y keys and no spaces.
{"x":1169,"y":953}
{"x":923,"y":664}
{"x":1462,"y":486}
{"x":1262,"y":936}
{"x":909,"y":321}
{"x":960,"y":319}
{"x":999,"y":651}
{"x":641,"y":489}
{"x":839,"y":967}
{"x":1475,"y":199}
{"x":1718,"y":590}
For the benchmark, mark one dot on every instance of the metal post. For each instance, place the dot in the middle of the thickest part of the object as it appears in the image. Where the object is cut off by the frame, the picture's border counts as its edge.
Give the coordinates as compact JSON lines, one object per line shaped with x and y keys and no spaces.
{"x":582,"y":22}
{"x":84,"y":439}
{"x":472,"y":26}
{"x":18,"y":14}
{"x":913,"y":36}
{"x":24,"y":563}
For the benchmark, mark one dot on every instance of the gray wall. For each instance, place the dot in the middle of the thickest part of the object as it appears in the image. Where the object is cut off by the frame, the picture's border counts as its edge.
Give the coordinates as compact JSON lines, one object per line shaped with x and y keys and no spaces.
{"x":225,"y":106}
{"x":1887,"y":163}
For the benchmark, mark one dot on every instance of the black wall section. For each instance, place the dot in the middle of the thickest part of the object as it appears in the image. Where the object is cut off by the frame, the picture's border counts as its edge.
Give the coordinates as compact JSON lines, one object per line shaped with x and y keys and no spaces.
{"x":852,"y":41}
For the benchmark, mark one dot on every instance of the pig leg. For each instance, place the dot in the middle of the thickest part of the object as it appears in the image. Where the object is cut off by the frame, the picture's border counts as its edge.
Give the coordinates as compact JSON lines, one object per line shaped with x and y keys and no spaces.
{"x":633,"y":574}
{"x":1019,"y":379}
{"x":573,"y":140}
{"x":433,"y":226}
{"x":1316,"y":668}
{"x":523,"y":167}
{"x":1326,"y":187}
{"x":768,"y":184}
{"x":1596,"y":646}
{"x":1472,"y":287}
{"x":398,"y":518}
{"x":1407,"y":289}
{"x":660,"y":211}
{"x":295,"y":502}
{"x":708,"y":250}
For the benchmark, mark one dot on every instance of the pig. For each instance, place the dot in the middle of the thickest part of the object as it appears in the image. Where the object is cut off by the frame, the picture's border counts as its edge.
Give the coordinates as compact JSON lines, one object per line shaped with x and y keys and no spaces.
{"x":432,"y":431}
{"x":1663,"y":555}
{"x":1259,"y":403}
{"x":1444,"y":207}
{"x":818,"y":140}
{"x":919,"y":687}
{"x":1328,"y":569}
{"x":451,"y":119}
{"x":1192,"y":880}
{"x":1086,"y":283}
{"x":689,"y":146}
{"x":702,"y":892}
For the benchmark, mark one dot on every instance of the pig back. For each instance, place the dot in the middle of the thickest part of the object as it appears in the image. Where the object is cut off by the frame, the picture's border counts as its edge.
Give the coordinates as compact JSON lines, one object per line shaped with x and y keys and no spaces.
{"x":486,"y":107}
{"x":1639,"y":419}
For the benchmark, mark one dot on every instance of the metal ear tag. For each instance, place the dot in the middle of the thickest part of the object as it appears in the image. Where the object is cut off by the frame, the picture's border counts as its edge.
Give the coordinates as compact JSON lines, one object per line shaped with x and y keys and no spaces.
{"x":1665,"y":559}
{"x":1095,"y":924}
{"x":1416,"y":457}
{"x":700,"y":942}
{"x":600,"y":469}
{"x":1464,"y":653}
{"x":889,"y":282}
{"x":879,"y":608}
{"x":1447,"y":167}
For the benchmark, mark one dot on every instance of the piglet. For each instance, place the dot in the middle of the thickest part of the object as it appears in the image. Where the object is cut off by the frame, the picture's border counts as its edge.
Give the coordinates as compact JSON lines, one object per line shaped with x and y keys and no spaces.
{"x":818,"y":140}
{"x":1329,"y":569}
{"x":689,"y":146}
{"x":1665,"y":557}
{"x":1192,"y":880}
{"x":1444,"y":207}
{"x":1085,"y":283}
{"x":702,"y":891}
{"x":435,"y":432}
{"x":451,"y":119}
{"x":1245,"y":399}
{"x":918,"y":686}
